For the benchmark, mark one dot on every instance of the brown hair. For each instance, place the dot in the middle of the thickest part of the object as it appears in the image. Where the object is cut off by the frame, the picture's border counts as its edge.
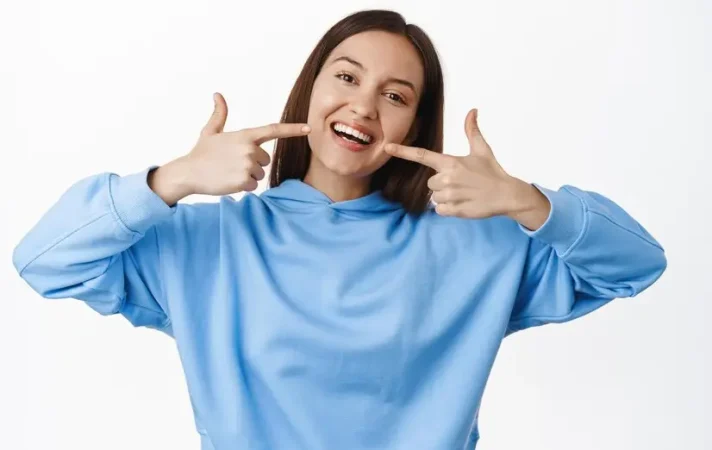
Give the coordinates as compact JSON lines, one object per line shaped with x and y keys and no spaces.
{"x":399,"y":180}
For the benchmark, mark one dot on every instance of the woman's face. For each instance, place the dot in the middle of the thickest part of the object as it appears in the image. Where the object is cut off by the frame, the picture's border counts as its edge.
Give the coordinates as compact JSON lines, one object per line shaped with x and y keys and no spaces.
{"x":371,"y":83}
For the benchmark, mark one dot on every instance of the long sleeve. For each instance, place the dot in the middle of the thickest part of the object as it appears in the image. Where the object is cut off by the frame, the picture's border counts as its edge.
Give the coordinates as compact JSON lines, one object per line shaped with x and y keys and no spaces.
{"x":98,"y":243}
{"x":587,"y":253}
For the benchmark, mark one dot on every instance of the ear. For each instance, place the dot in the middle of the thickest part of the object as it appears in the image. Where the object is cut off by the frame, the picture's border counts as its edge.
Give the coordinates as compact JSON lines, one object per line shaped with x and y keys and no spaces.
{"x":413,"y":132}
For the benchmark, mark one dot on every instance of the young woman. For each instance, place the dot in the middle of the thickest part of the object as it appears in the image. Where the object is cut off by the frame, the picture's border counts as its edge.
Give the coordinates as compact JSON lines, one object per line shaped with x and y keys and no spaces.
{"x":339,"y":309}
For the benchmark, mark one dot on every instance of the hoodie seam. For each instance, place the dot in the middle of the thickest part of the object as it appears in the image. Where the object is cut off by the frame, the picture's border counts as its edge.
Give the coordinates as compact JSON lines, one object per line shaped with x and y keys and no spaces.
{"x":589,"y":210}
{"x":633,"y":232}
{"x":61,"y":239}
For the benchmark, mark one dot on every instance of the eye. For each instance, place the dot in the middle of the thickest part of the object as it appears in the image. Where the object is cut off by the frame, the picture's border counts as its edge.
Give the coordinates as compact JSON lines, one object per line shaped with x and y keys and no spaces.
{"x":396,"y":97}
{"x":350,"y":79}
{"x":345,"y":77}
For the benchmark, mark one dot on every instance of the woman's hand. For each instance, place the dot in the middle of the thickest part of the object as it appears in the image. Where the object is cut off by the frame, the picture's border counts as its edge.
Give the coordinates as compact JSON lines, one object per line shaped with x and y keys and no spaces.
{"x":476,"y":186}
{"x":221,"y":163}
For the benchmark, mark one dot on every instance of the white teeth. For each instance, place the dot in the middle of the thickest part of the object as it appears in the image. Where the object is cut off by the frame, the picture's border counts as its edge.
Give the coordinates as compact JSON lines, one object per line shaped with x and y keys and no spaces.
{"x":345,"y":129}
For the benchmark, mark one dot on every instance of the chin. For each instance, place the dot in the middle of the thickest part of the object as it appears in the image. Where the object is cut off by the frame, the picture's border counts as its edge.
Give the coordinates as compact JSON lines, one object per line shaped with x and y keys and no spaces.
{"x":347,"y":168}
{"x":358,"y":166}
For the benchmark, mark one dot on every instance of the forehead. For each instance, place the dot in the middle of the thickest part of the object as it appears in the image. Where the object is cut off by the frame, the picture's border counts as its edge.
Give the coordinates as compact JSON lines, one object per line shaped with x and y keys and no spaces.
{"x":383,"y":55}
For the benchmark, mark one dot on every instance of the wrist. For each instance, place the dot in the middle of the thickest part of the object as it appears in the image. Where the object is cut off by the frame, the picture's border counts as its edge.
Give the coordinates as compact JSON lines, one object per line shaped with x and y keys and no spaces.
{"x":528,"y":205}
{"x":171,"y":181}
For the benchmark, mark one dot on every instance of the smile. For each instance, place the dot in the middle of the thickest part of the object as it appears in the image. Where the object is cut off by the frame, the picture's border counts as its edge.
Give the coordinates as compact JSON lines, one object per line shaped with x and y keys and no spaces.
{"x":351,"y":134}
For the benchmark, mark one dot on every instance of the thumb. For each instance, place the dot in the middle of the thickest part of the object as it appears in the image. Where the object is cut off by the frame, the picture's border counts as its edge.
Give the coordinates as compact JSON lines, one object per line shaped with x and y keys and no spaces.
{"x":216,"y":123}
{"x":474,"y":135}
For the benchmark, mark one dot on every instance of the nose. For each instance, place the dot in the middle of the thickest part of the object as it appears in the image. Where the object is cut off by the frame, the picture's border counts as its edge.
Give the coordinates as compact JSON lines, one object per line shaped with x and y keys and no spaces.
{"x":364,"y":104}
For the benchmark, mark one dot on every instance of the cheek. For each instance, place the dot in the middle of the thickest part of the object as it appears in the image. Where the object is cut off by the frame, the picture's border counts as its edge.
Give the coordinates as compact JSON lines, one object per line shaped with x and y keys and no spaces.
{"x":321,"y":105}
{"x":395,"y":129}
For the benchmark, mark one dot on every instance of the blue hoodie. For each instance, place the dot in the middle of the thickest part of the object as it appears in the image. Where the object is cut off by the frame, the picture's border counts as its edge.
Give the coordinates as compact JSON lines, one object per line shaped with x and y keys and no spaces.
{"x":304,"y":323}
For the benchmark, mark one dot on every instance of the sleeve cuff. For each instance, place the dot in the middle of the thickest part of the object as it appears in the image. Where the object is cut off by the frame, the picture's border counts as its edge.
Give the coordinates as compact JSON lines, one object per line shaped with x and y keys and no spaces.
{"x":566,"y":221}
{"x":135,"y":203}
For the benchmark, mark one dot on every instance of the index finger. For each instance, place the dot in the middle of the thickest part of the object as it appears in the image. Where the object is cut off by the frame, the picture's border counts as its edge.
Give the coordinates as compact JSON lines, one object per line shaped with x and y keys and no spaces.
{"x":420,"y":155}
{"x":260,"y":135}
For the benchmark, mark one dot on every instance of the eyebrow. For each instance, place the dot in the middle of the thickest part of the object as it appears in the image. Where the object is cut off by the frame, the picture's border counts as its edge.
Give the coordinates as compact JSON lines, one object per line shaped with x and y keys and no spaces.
{"x":360,"y":66}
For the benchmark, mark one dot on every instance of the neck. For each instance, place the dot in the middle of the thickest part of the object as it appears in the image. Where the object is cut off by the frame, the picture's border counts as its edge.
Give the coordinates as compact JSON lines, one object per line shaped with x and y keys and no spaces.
{"x":337,"y":187}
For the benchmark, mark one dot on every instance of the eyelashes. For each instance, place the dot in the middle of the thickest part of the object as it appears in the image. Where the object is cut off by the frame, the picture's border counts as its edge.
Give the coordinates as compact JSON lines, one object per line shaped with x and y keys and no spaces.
{"x":341,"y":76}
{"x":348,"y":78}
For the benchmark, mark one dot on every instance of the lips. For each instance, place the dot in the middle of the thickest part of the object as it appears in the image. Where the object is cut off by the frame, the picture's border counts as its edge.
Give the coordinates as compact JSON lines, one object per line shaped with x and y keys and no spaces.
{"x":350,"y":144}
{"x":358,"y":127}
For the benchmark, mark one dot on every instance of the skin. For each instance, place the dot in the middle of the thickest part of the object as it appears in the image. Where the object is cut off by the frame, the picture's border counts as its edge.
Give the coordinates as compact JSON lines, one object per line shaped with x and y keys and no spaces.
{"x":357,"y":85}
{"x":474,"y":186}
{"x":366,"y":95}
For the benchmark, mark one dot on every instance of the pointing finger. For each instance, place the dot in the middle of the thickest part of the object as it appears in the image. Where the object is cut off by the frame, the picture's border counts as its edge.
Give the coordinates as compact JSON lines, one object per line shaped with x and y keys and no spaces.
{"x":260,"y":135}
{"x":417,"y":154}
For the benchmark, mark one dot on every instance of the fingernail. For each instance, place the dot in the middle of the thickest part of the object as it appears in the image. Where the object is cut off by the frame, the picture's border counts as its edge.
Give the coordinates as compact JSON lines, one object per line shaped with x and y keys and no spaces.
{"x":306,"y":128}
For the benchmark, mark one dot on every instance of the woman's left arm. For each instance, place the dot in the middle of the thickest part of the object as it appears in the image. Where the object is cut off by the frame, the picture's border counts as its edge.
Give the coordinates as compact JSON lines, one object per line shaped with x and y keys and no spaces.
{"x":583,"y":249}
{"x":586,"y":252}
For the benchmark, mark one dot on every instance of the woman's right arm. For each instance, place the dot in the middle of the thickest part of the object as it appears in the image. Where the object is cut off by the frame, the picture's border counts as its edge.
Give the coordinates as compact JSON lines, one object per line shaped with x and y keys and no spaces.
{"x":99,"y":243}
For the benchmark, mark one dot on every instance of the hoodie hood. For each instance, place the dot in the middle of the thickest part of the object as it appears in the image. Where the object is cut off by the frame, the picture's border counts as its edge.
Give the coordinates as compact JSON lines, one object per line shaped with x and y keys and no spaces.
{"x":297,"y":195}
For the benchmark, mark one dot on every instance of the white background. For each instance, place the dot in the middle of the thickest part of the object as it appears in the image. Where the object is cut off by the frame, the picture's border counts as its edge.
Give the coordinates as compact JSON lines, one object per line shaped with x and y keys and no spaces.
{"x":612,"y":96}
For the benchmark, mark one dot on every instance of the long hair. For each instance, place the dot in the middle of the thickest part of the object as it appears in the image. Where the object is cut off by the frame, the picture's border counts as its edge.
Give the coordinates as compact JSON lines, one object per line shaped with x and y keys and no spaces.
{"x":399,"y":180}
